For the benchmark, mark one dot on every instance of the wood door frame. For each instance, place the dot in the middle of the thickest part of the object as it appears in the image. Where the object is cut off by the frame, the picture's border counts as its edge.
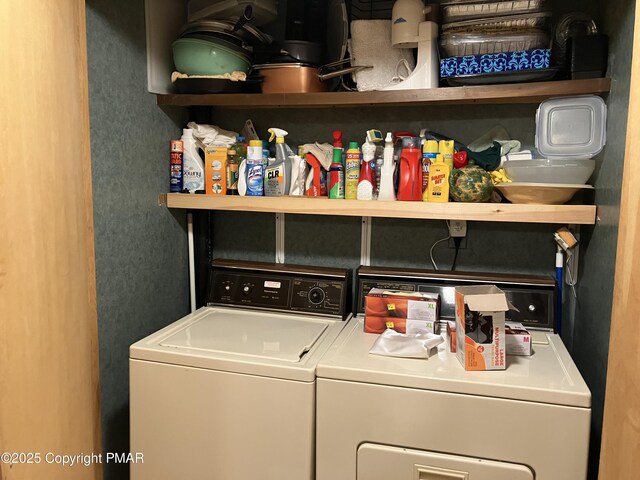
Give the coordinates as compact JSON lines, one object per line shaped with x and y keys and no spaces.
{"x":620,"y":448}
{"x":49,"y":377}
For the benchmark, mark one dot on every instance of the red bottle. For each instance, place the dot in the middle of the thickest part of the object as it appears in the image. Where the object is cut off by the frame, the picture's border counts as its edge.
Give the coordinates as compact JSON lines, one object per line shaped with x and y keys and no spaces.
{"x":410,"y":181}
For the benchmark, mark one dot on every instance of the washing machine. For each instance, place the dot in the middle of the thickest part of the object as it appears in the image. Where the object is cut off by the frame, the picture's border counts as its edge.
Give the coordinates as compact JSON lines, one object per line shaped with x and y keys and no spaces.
{"x":228,"y":392}
{"x":414,"y":419}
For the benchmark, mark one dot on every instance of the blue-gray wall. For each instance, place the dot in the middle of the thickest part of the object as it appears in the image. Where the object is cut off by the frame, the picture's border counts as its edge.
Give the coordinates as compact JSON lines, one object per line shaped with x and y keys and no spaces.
{"x":141,"y":263}
{"x":335,"y":241}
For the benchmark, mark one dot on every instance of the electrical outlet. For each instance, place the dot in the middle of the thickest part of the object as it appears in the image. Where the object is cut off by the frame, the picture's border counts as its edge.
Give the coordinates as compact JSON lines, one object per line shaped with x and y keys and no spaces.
{"x":458,"y":228}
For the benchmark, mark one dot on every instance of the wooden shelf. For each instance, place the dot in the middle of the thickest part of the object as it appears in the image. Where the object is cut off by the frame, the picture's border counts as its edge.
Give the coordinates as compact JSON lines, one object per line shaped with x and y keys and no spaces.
{"x":486,"y":94}
{"x":483,"y":212}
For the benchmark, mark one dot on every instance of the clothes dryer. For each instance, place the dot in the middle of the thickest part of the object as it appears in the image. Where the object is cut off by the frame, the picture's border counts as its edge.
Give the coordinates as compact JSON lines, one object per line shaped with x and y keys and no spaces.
{"x":413,"y":419}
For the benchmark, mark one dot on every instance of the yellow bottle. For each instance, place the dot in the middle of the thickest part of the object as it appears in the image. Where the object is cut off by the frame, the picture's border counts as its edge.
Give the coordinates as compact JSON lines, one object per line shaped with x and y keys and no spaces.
{"x":352,"y":172}
{"x":446,"y":148}
{"x":438,"y":188}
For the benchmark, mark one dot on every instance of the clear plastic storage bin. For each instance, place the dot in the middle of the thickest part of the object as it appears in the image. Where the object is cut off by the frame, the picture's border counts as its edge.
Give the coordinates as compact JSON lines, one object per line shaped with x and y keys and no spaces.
{"x":461,"y":44}
{"x":565,"y":170}
{"x":455,"y":11}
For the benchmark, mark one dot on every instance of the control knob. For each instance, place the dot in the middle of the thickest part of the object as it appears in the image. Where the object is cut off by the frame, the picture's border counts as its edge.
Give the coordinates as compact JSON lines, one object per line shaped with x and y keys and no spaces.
{"x":316,"y":295}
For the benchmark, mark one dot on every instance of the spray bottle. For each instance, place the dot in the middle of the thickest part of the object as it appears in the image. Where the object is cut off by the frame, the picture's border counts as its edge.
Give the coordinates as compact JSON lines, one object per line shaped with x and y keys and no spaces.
{"x":336,"y":171}
{"x":447,"y":149}
{"x":352,"y":171}
{"x":250,"y":179}
{"x":277,"y":178}
{"x":387,"y":191}
{"x":367,"y":170}
{"x":192,"y":164}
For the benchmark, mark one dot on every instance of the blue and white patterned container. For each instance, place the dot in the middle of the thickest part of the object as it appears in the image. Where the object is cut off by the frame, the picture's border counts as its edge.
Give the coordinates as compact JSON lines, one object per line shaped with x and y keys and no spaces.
{"x":534,"y":59}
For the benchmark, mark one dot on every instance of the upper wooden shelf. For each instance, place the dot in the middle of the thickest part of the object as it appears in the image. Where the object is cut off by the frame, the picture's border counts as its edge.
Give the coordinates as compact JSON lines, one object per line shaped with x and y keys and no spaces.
{"x":486,"y":94}
{"x":483,"y":212}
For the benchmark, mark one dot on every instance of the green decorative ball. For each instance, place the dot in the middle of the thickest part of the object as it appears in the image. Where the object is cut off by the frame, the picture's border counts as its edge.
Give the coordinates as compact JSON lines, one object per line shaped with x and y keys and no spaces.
{"x":470,"y":184}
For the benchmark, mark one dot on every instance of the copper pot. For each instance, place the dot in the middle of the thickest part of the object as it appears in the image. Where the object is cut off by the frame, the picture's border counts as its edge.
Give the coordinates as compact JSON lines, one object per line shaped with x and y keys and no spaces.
{"x":290,"y":78}
{"x":296,"y":77}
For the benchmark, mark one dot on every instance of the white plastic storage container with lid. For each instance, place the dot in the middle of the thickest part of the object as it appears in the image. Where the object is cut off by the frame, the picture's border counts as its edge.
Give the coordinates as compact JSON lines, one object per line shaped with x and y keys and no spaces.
{"x":569,"y":127}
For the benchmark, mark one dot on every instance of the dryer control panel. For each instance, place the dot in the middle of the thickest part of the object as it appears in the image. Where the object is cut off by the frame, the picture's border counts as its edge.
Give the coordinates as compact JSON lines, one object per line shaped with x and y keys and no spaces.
{"x":312,"y":290}
{"x":533,"y":296}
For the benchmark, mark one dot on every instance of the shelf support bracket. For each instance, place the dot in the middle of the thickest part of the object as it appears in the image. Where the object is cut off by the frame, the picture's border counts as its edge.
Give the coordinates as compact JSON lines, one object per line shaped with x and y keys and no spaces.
{"x":365,"y":242}
{"x":279,"y":237}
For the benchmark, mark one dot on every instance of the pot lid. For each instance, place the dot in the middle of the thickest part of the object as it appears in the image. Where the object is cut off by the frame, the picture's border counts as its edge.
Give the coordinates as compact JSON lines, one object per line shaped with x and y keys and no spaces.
{"x":247,"y":33}
{"x":571,"y":126}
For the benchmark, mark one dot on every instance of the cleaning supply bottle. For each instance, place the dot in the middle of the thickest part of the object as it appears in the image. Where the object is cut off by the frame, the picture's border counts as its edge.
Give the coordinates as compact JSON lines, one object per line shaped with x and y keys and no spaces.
{"x":175,"y":161}
{"x":438,"y":189}
{"x":447,"y":148}
{"x":336,"y":170}
{"x":242,"y":178}
{"x":410,"y":181}
{"x":192,"y":164}
{"x":254,"y":173}
{"x":366,"y":182}
{"x":386,"y":191}
{"x":235,"y":155}
{"x":277,"y":177}
{"x":352,"y":171}
{"x":430,"y":151}
{"x":265,"y":152}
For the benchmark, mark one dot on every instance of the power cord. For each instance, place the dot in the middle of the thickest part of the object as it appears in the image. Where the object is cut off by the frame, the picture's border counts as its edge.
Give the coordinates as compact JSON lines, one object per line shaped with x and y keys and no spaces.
{"x":572,"y":283}
{"x":437,"y":242}
{"x":457,"y":241}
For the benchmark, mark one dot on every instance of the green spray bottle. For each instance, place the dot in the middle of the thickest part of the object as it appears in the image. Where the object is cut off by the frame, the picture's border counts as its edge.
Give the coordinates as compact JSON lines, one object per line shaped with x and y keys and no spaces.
{"x":336,"y":170}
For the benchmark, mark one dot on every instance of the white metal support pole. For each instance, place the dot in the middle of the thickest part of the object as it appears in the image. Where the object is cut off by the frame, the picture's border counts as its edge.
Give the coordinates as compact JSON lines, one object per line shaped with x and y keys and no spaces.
{"x":192,"y":262}
{"x":279,"y":237}
{"x":365,"y":242}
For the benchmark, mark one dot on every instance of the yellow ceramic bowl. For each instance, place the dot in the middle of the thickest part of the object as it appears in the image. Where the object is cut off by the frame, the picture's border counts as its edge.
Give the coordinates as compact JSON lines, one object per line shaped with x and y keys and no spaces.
{"x":540,"y":193}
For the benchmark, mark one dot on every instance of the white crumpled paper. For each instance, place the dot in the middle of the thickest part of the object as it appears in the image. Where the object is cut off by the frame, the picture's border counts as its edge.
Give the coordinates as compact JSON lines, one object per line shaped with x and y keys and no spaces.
{"x":393,"y":344}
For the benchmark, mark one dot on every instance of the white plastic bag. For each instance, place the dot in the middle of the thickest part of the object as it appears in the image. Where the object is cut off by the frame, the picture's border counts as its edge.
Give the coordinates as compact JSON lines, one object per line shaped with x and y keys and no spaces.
{"x":393,"y":344}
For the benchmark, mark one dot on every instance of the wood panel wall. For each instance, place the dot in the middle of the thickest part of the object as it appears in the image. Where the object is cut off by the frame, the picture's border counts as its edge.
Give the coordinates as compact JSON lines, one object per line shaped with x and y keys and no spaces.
{"x":49,"y":398}
{"x":620,"y":454}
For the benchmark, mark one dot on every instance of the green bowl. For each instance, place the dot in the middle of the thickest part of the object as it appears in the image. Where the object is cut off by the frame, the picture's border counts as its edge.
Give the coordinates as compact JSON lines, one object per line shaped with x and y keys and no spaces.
{"x":195,"y":56}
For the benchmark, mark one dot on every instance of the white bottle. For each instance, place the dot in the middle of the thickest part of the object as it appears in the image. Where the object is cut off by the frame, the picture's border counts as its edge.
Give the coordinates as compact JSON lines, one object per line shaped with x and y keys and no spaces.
{"x":387,"y":191}
{"x":192,"y":164}
{"x":365,"y":187}
{"x":242,"y":178}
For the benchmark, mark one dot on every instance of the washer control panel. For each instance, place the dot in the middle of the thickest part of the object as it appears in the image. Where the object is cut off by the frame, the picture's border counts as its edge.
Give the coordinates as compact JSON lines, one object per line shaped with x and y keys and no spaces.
{"x":303,"y":289}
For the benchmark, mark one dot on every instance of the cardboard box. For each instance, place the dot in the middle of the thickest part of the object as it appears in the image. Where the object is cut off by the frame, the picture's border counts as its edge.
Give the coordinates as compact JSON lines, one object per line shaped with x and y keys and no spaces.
{"x":518,"y":339}
{"x":451,"y":332}
{"x":215,"y":166}
{"x":480,"y":325}
{"x":404,"y":312}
